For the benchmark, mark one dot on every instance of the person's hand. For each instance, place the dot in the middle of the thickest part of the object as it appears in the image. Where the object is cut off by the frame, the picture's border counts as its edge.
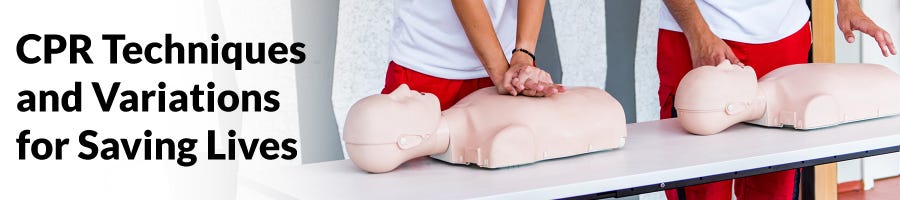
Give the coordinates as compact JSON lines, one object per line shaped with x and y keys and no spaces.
{"x":524,"y":78}
{"x":546,"y":90}
{"x":531,"y":81}
{"x":710,"y":50}
{"x":850,"y":20}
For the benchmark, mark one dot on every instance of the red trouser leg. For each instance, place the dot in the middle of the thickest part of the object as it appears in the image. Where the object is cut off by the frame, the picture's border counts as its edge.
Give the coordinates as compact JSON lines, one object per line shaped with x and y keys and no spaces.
{"x":447,"y":91}
{"x":710,"y":191}
{"x":674,"y":61}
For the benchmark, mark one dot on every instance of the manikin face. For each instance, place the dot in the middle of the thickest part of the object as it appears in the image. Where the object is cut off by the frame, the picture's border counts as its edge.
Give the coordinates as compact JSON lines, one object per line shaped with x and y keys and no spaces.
{"x":712,"y":98}
{"x":391,"y":128}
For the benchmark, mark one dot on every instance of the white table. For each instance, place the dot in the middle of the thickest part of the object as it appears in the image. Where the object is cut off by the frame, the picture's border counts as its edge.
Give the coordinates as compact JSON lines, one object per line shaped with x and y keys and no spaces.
{"x":658,"y":155}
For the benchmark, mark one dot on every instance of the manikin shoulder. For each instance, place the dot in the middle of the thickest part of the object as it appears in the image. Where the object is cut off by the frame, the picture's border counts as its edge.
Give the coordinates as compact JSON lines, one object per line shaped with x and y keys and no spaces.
{"x":823,"y":70}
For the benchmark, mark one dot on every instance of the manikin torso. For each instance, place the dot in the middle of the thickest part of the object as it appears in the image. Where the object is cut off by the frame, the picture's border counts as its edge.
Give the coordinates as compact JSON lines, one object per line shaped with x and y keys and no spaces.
{"x":811,"y":96}
{"x":485,"y":128}
{"x":493,"y":130}
{"x":803,"y":96}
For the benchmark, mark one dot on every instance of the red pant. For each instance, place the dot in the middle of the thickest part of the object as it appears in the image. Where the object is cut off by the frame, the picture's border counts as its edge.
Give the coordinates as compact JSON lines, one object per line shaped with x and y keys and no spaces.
{"x":447,"y":91}
{"x":674,"y":61}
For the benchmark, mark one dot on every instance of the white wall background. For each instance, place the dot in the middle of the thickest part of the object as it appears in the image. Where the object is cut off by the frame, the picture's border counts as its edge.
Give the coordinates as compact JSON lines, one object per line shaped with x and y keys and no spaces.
{"x":361,"y":56}
{"x":581,"y":35}
{"x":647,"y":80}
{"x":263,"y":21}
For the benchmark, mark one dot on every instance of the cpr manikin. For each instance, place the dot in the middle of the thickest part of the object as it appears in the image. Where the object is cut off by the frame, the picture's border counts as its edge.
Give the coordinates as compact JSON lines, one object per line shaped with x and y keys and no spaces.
{"x":484,"y":128}
{"x":803,"y":96}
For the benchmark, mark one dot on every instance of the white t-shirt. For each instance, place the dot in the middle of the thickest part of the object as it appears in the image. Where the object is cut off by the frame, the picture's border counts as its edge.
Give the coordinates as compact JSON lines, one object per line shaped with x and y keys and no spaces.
{"x":429,"y":38}
{"x":747,"y":21}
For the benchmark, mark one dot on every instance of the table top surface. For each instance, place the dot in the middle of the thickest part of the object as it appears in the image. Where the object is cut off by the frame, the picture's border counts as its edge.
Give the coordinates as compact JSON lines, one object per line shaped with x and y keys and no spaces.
{"x":655,"y":152}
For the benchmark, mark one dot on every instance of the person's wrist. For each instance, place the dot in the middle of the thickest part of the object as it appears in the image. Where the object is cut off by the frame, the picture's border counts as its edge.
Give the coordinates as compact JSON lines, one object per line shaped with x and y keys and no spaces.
{"x":697,"y":31}
{"x":497,"y":71}
{"x":700,"y":36}
{"x":522,"y":52}
{"x":520,"y":59}
{"x":498,"y":83}
{"x":847,"y":5}
{"x":848,"y":11}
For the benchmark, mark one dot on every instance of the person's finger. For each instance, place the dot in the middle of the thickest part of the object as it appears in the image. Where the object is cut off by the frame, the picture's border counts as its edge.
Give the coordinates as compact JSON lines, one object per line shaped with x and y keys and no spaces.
{"x":550,"y":91}
{"x":545,"y":77}
{"x":883,"y":44}
{"x":703,"y":62}
{"x":890,"y":42}
{"x":530,"y":93}
{"x":524,"y":74}
{"x":879,"y":38}
{"x":515,"y":82}
{"x":695,"y":58}
{"x":887,"y":44}
{"x":844,"y":26}
{"x":715,"y":59}
{"x":560,"y":88}
{"x":868,"y":27}
{"x":507,"y":81}
{"x":532,"y":84}
{"x":535,"y":81}
{"x":546,"y":80}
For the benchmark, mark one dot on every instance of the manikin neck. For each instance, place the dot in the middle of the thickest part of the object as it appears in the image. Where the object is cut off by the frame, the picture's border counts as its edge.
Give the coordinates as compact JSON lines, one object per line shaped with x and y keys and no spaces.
{"x":441,"y":136}
{"x":759,"y":104}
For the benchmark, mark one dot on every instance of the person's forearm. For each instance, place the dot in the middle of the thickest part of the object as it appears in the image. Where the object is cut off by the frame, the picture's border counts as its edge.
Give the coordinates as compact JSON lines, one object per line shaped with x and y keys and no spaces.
{"x":531,"y":12}
{"x":477,"y":24}
{"x":689,"y":18}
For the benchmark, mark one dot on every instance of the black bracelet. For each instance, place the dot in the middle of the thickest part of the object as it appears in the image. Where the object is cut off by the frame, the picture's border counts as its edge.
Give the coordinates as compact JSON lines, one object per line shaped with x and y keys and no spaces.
{"x":524,"y":51}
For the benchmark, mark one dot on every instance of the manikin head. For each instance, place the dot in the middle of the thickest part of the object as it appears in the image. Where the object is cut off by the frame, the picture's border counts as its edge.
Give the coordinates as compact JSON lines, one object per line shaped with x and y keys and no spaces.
{"x":384,"y":130}
{"x":710,"y":99}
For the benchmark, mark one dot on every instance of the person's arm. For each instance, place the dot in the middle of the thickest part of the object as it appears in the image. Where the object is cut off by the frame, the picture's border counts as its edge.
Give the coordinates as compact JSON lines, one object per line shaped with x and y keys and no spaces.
{"x":706,"y":47}
{"x":479,"y":29}
{"x":529,"y":16}
{"x":523,"y":75}
{"x":850,"y":17}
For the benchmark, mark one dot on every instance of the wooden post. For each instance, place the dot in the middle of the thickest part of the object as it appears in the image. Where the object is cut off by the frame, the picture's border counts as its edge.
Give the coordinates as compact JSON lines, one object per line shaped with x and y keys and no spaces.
{"x":823,"y":31}
{"x":823,"y":26}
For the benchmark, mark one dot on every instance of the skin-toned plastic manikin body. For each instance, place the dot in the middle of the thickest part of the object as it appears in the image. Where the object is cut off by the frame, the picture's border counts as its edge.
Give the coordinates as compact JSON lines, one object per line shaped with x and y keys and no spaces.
{"x":804,"y":96}
{"x":485,"y":128}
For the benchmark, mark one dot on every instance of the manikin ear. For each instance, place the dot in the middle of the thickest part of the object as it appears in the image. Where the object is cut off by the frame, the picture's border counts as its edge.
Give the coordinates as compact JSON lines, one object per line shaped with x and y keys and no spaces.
{"x":736,"y":108}
{"x":401,"y":92}
{"x":410,"y":141}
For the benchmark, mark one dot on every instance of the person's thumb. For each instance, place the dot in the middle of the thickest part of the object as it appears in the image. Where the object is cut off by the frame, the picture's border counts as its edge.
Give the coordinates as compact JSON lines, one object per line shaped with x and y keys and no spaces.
{"x":507,"y":83}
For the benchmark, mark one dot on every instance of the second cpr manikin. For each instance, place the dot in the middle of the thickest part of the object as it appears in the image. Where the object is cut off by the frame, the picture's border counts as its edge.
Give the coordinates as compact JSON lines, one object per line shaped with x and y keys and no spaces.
{"x":803,"y":96}
{"x":485,"y":128}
